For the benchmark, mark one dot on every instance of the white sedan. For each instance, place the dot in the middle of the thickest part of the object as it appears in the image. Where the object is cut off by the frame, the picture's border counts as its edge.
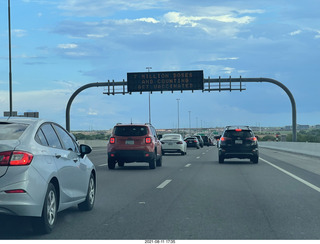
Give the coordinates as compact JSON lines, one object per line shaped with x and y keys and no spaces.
{"x":172,"y":143}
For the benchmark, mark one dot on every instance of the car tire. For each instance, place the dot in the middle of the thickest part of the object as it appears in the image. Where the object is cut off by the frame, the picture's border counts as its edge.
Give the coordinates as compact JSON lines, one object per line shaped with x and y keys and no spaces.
{"x":159,"y":161}
{"x":255,"y":159}
{"x":221,"y":160}
{"x":87,"y":205}
{"x":111,"y":163}
{"x":152,"y":162}
{"x":47,"y":221}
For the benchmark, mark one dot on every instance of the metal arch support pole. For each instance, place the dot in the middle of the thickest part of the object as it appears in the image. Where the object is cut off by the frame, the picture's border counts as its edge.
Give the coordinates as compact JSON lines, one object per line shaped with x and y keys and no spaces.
{"x":97,"y":84}
{"x":293,"y":103}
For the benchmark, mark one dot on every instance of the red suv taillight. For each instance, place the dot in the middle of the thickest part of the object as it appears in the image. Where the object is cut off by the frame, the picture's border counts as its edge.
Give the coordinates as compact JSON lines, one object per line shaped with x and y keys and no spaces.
{"x":148,"y":140}
{"x":15,"y":158}
{"x":112,"y":140}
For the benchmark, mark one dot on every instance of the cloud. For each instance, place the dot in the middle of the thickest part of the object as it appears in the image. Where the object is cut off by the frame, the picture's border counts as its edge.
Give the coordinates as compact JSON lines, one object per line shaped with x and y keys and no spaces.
{"x":19,"y":32}
{"x":68,"y":46}
{"x":293,"y":33}
{"x":200,"y":21}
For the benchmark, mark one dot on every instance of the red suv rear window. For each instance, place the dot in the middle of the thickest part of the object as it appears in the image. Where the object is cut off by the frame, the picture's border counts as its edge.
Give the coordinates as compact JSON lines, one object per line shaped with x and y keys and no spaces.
{"x":130,"y":131}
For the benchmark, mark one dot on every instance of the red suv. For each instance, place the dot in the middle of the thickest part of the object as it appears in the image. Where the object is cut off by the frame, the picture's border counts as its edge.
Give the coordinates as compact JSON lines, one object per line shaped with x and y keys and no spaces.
{"x":134,"y":143}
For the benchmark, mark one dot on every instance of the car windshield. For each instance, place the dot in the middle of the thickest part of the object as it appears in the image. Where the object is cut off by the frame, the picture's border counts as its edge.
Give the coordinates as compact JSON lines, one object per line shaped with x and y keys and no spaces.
{"x":191,"y":138}
{"x":130,"y":130}
{"x":11,"y":131}
{"x":171,"y":137}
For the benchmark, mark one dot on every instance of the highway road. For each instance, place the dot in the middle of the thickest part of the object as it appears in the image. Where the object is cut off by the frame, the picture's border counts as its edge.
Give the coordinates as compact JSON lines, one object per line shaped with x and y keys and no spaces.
{"x":194,"y":197}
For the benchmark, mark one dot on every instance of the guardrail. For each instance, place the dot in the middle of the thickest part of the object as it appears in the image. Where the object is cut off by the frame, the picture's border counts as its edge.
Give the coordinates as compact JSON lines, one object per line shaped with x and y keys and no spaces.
{"x":306,"y":148}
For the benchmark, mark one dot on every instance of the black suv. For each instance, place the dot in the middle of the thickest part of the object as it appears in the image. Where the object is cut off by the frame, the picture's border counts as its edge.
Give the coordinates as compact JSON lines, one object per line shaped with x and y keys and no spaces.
{"x":238,"y":142}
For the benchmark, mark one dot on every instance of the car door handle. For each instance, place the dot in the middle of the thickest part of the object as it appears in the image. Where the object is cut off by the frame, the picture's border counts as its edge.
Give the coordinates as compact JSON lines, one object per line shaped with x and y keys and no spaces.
{"x":58,"y":156}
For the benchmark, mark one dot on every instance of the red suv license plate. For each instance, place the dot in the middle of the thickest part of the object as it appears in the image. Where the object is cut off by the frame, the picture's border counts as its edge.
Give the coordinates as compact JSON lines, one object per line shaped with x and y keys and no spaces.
{"x":129,"y":142}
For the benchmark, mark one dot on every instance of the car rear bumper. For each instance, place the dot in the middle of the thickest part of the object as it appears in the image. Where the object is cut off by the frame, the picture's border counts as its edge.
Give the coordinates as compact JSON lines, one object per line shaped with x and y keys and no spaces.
{"x":20,"y":204}
{"x":225,"y":153}
{"x":131,"y":156}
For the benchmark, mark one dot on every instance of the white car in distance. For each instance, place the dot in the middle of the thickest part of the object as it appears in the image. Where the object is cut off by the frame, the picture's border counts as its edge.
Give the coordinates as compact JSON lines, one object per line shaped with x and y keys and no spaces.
{"x":173,"y":143}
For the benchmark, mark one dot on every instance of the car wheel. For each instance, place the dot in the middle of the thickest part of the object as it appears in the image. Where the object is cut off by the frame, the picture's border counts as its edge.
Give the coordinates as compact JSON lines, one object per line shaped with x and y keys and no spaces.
{"x":47,"y":221}
{"x":159,"y":161}
{"x":111,"y":163}
{"x":152,"y":162}
{"x":255,"y":159}
{"x":91,"y":196}
{"x":221,"y":160}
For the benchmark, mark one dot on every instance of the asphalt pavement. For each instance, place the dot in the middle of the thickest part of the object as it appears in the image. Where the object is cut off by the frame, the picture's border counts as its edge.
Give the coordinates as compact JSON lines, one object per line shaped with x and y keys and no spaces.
{"x":193,"y":197}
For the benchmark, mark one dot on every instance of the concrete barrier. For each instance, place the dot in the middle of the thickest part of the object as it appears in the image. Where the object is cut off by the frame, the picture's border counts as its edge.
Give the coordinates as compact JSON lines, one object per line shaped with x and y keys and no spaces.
{"x":306,"y":148}
{"x":95,"y":143}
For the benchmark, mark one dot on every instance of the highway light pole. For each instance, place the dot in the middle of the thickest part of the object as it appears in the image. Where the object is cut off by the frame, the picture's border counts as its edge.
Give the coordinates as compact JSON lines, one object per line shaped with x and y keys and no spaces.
{"x":178,"y":99}
{"x":10,"y":72}
{"x":148,"y":68}
{"x":189,"y":122}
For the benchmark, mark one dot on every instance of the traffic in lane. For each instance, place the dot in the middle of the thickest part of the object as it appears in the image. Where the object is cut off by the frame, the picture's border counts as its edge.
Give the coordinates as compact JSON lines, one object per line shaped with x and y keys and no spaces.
{"x":194,"y":197}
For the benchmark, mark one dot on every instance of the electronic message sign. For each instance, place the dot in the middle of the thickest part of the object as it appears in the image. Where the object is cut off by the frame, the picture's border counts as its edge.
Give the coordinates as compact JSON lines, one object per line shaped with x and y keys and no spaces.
{"x":165,"y":81}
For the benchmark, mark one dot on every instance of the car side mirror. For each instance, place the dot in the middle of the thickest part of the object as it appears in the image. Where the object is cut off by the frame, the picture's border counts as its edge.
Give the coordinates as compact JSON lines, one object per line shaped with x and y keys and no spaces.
{"x":85,"y":149}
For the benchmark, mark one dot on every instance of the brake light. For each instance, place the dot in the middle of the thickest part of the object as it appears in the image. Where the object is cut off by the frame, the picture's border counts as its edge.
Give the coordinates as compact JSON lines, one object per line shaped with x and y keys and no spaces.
{"x":148,"y":140}
{"x":179,"y":142}
{"x":238,"y":130}
{"x":225,"y":138}
{"x":252,"y":138}
{"x":112,"y":140}
{"x":5,"y":158}
{"x":15,"y":158}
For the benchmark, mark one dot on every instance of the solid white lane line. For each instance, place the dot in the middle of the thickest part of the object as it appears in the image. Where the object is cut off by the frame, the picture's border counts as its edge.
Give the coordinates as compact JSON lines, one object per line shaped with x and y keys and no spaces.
{"x":163,"y":184}
{"x":100,"y":165}
{"x":293,"y":176}
{"x":187,"y":165}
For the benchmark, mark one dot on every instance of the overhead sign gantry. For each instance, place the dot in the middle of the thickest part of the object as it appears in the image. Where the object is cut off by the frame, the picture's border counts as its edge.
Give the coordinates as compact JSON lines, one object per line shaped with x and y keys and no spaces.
{"x":179,"y":81}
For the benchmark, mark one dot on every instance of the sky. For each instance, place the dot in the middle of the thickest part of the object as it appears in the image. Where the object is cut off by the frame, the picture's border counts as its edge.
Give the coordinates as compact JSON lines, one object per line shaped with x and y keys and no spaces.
{"x":60,"y":45}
